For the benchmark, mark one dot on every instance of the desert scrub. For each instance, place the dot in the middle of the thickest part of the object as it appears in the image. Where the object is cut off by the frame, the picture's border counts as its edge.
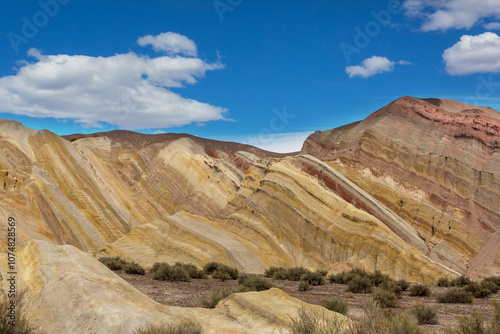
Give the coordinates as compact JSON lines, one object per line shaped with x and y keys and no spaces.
{"x":187,"y":327}
{"x":192,"y":270}
{"x":314,"y":278}
{"x":269,"y":272}
{"x":377,"y":321}
{"x":474,"y":325}
{"x":134,"y":268}
{"x":478,"y":291}
{"x":335,"y":305}
{"x":385,"y":298}
{"x":113,"y":263}
{"x":212,"y":267}
{"x":426,"y":315}
{"x":337,"y":278}
{"x":304,"y":286}
{"x":461,"y":281}
{"x":254,"y":282}
{"x":165,"y":272}
{"x":359,"y":284}
{"x":216,"y":295}
{"x":444,"y":282}
{"x":314,"y":321}
{"x":456,"y":295}
{"x":21,"y":324}
{"x":420,"y":290}
{"x":221,"y":275}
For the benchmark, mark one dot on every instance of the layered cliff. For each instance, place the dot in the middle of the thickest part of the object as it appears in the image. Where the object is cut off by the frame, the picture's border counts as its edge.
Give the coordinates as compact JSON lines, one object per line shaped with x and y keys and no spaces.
{"x":436,"y":164}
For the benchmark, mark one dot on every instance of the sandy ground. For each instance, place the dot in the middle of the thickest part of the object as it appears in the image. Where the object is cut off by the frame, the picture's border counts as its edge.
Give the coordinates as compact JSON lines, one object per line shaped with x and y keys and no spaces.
{"x":187,"y":294}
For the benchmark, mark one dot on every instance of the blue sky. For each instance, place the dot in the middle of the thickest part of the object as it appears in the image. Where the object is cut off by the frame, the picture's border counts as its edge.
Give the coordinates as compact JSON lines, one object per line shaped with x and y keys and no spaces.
{"x":266,"y":73}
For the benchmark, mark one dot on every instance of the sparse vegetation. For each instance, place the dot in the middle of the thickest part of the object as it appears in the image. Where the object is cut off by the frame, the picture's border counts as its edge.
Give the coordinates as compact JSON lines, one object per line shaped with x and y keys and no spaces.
{"x":165,"y":272}
{"x":311,"y":321}
{"x":21,"y":323}
{"x":426,"y":315}
{"x":444,"y":282}
{"x":335,"y":305}
{"x":216,"y":295}
{"x":477,"y":290}
{"x":461,"y":281}
{"x":182,"y":328}
{"x":113,"y":263}
{"x":192,"y":270}
{"x":212,"y":267}
{"x":377,"y":321}
{"x":385,"y":298}
{"x":314,"y":278}
{"x":420,"y":290}
{"x":269,"y":272}
{"x":221,"y":275}
{"x":456,"y":295}
{"x":304,"y":286}
{"x":254,"y":282}
{"x":359,"y":284}
{"x":474,"y":325}
{"x":134,"y":268}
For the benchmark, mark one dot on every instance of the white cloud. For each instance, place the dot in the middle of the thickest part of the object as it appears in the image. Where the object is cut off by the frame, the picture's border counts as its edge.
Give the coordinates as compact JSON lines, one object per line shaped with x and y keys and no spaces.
{"x":474,"y":54}
{"x":126,"y":90}
{"x":170,"y":42}
{"x":277,"y":142}
{"x":492,"y":26}
{"x":371,"y":66}
{"x":452,"y":14}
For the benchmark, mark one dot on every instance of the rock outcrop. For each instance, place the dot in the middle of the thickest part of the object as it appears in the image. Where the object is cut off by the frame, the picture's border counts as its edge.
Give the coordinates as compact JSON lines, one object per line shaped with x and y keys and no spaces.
{"x":436,"y":164}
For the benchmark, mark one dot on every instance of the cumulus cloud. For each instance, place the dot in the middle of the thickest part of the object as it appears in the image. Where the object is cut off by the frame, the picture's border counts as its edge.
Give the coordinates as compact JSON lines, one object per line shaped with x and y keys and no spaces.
{"x":128,"y":90}
{"x":474,"y":54}
{"x":371,"y":66}
{"x":492,"y":26}
{"x":171,"y":43}
{"x":452,"y":14}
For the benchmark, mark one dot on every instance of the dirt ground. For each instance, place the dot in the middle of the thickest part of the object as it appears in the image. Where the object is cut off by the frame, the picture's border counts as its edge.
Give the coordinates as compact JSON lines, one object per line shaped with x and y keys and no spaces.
{"x":188,"y":294}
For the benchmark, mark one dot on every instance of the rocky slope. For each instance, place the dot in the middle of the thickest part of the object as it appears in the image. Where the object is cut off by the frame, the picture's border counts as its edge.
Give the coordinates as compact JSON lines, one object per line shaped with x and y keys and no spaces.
{"x":413,"y":190}
{"x":436,"y":164}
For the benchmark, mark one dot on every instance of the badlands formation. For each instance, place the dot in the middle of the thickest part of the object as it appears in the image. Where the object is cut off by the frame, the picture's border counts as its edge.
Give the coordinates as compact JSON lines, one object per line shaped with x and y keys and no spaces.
{"x":413,"y":191}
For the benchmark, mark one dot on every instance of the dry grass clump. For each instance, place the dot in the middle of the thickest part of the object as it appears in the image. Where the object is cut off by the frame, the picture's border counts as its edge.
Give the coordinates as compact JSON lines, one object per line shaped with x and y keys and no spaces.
{"x":187,"y":327}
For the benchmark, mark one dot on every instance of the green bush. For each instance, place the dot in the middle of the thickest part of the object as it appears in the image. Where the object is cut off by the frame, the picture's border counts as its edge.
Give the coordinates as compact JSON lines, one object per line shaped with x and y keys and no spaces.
{"x":444,"y":282}
{"x":379,"y":279}
{"x":386,"y":299}
{"x":312,"y":321}
{"x":490,"y":285}
{"x":113,"y":263}
{"x":496,"y":306}
{"x":280,"y":274}
{"x":494,"y":280}
{"x":359,"y":284}
{"x":420,"y":290}
{"x":456,"y":295}
{"x":134,"y":268}
{"x":338,"y":278}
{"x":211,"y":267}
{"x":314,"y":278}
{"x":426,"y":315}
{"x":182,"y":328}
{"x":478,"y":291}
{"x":392,"y":286}
{"x":335,"y":305}
{"x":461,"y":281}
{"x":216,"y":295}
{"x":304,"y":286}
{"x":221,"y":275}
{"x":269,"y":272}
{"x":192,"y":270}
{"x":404,"y":284}
{"x":165,"y":272}
{"x":294,"y":274}
{"x":254,"y":282}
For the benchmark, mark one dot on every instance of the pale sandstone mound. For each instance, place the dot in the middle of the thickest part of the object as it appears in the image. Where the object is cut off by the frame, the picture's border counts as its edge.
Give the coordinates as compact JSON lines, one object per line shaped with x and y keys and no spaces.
{"x":71,"y":292}
{"x":437,"y":165}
